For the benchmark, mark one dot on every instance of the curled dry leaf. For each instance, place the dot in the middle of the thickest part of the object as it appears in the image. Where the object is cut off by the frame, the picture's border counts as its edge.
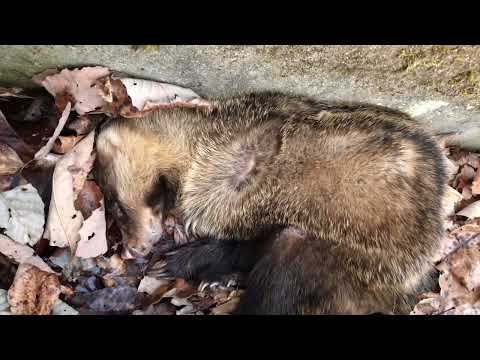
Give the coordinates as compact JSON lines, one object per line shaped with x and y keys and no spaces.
{"x":76,"y":85}
{"x":146,"y":94}
{"x":151,"y":285}
{"x":84,"y":124}
{"x":452,"y":169}
{"x":64,"y":144}
{"x":465,"y":177}
{"x":93,"y":238}
{"x":476,"y":184}
{"x":20,"y":253}
{"x":10,"y":163}
{"x":33,"y":292}
{"x":4,"y":305}
{"x":9,"y":137}
{"x":450,"y":199}
{"x":61,"y":308}
{"x":49,"y":145}
{"x":136,"y":97}
{"x":227,"y":307}
{"x":472,"y":211}
{"x":12,"y":92}
{"x":64,"y":221}
{"x":89,"y":198}
{"x":22,"y":214}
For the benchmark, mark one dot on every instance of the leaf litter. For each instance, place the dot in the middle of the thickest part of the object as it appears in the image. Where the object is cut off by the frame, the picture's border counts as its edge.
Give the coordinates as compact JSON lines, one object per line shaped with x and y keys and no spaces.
{"x":65,"y":212}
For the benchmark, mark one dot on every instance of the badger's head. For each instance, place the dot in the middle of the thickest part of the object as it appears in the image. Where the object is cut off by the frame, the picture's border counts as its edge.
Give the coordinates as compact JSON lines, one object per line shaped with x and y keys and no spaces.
{"x":134,"y":171}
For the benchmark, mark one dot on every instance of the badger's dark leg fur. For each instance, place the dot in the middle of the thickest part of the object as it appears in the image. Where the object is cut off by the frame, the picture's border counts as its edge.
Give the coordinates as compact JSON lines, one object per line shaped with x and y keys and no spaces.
{"x":280,"y":284}
{"x":207,"y":259}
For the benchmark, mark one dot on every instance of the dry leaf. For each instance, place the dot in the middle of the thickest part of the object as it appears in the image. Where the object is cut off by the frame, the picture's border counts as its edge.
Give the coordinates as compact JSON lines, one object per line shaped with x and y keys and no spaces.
{"x":33,"y":292}
{"x":22,"y":214}
{"x":450,"y":199}
{"x":64,"y":144}
{"x":465,"y":309}
{"x":61,"y":308}
{"x":146,"y":94}
{"x":4,"y":305}
{"x":472,"y":211}
{"x":12,"y":92}
{"x":136,"y":97}
{"x":476,"y":184}
{"x":78,"y":85}
{"x":89,"y":198}
{"x":10,"y":162}
{"x":93,"y":238}
{"x":84,"y":124}
{"x":452,"y":169}
{"x":9,"y":137}
{"x":429,"y":306}
{"x":151,"y":285}
{"x":226,"y":308}
{"x":115,"y":265}
{"x":70,"y":173}
{"x":20,"y":253}
{"x":61,"y":123}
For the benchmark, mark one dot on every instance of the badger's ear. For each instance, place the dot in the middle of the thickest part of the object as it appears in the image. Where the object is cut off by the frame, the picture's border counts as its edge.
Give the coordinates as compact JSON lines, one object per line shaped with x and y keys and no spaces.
{"x":253,"y":153}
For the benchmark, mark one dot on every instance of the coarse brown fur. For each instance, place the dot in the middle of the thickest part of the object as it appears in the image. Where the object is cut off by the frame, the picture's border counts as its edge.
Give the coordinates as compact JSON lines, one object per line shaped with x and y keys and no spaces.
{"x":335,"y":207}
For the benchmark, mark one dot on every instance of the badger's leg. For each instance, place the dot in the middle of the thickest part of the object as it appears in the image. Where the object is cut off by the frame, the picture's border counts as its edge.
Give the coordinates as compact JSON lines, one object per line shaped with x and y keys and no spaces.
{"x":207,"y":259}
{"x":299,"y":275}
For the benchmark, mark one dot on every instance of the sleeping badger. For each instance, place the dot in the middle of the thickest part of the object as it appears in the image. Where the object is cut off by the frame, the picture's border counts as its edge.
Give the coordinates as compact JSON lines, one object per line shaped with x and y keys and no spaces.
{"x":331,"y":208}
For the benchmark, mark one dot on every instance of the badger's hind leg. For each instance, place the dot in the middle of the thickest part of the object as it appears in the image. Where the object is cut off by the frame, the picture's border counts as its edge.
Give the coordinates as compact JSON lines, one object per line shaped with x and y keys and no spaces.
{"x":299,"y":275}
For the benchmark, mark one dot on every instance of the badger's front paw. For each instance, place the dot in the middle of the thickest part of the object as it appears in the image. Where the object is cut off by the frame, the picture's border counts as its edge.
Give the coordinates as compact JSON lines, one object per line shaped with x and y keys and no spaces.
{"x":200,"y":260}
{"x":183,"y":262}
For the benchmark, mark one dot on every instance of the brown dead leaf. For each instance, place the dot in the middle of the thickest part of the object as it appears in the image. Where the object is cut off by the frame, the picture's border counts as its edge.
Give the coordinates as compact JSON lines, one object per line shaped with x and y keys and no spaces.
{"x":20,"y":253}
{"x":153,"y":286}
{"x":9,"y":137}
{"x":69,"y":176}
{"x":476,"y":184}
{"x":227,"y":307}
{"x":49,"y":145}
{"x":464,"y":177}
{"x":450,"y":199}
{"x":10,"y":162}
{"x":64,"y":144}
{"x":34,"y":292}
{"x":89,"y":198}
{"x":429,"y":306}
{"x":472,"y":211}
{"x":84,"y":124}
{"x":460,"y":277}
{"x":93,"y":235}
{"x":117,"y":101}
{"x":76,"y":85}
{"x":473,"y":160}
{"x":136,"y":97}
{"x":12,"y":92}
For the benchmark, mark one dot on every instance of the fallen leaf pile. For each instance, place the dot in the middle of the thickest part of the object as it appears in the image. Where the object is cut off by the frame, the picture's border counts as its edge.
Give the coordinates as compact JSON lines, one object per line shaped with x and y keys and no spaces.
{"x":458,"y":262}
{"x":59,"y":250}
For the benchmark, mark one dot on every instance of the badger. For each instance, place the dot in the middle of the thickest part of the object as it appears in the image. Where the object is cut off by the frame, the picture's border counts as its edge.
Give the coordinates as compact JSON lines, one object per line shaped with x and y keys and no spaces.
{"x":329,"y":207}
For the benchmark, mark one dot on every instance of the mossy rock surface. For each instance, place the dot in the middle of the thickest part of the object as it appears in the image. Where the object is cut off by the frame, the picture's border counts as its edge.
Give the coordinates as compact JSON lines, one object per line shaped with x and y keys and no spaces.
{"x":440,"y":83}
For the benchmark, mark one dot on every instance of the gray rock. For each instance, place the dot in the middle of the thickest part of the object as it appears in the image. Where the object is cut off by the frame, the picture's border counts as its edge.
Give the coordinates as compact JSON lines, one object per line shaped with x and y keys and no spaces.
{"x":439,"y":83}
